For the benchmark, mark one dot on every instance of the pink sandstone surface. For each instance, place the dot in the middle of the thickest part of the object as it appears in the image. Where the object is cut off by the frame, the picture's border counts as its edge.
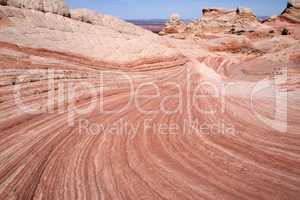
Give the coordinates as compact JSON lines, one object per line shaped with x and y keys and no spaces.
{"x":42,"y":156}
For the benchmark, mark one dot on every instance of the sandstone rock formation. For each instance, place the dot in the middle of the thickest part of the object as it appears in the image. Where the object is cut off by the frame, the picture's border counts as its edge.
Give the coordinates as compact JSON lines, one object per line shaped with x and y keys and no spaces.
{"x":92,"y":17}
{"x":52,"y":6}
{"x":292,"y":12}
{"x":174,"y":25}
{"x":288,"y":22}
{"x":219,"y":21}
{"x":116,"y":41}
{"x":216,"y":20}
{"x":93,"y":108}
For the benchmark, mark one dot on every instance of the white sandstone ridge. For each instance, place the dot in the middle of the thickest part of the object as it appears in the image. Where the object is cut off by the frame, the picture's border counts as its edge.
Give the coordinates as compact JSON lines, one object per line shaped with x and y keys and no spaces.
{"x":92,"y":17}
{"x":52,"y":6}
{"x":82,"y":14}
{"x":90,"y":34}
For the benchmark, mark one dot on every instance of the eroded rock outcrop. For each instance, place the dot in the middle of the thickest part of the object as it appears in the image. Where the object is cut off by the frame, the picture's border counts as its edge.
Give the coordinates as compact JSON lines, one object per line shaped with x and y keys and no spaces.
{"x":114,"y":41}
{"x":218,"y":21}
{"x":99,"y":19}
{"x":52,"y":6}
{"x":288,"y":22}
{"x":292,"y":12}
{"x":174,"y":26}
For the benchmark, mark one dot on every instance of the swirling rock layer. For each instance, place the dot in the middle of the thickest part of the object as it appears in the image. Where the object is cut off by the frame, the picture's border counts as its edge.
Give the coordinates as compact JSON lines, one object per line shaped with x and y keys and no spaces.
{"x":214,"y":146}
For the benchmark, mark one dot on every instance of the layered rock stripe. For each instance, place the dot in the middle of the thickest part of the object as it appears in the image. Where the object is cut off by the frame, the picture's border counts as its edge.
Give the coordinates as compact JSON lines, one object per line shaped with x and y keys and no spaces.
{"x":42,"y":156}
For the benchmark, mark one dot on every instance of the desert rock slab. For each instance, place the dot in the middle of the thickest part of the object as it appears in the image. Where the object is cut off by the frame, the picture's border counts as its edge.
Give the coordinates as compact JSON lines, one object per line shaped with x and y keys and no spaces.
{"x":57,"y":33}
{"x":52,"y":6}
{"x":99,"y":19}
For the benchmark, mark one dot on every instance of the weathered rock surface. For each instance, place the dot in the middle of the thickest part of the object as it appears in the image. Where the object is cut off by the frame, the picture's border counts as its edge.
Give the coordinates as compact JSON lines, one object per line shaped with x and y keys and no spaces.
{"x":115,"y":41}
{"x":92,"y":110}
{"x":92,"y":17}
{"x":3,"y":2}
{"x":288,"y":22}
{"x":174,"y":25}
{"x":219,"y":21}
{"x":52,"y":6}
{"x":294,"y":3}
{"x":292,"y":12}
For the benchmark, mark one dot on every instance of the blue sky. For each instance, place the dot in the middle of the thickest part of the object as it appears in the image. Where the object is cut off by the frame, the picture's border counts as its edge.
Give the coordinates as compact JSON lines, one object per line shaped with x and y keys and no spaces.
{"x":154,"y":9}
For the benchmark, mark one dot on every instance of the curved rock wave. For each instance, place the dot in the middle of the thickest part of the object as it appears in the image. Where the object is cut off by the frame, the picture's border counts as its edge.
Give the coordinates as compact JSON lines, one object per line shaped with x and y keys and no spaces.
{"x":227,"y":153}
{"x":113,"y":121}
